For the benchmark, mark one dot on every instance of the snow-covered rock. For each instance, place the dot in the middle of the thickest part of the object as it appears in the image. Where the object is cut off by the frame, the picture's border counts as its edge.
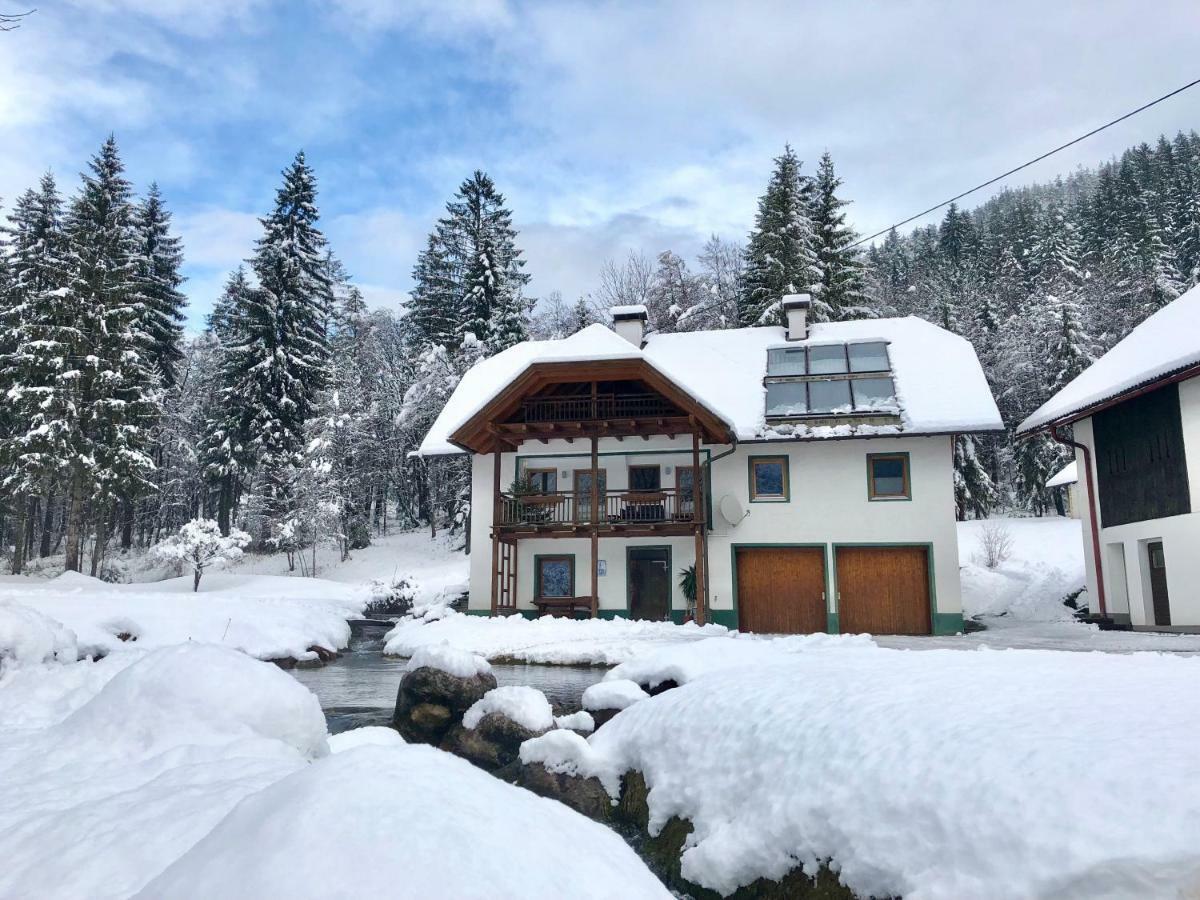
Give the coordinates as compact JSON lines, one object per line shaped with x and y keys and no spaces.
{"x":616,"y":693}
{"x":577,"y":721}
{"x":404,"y":821}
{"x":452,"y":661}
{"x":28,"y":636}
{"x":526,"y":706}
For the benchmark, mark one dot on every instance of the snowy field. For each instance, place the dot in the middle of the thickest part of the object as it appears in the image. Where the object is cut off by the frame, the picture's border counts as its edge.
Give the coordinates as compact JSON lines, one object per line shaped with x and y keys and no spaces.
{"x":195,"y":771}
{"x":933,"y":775}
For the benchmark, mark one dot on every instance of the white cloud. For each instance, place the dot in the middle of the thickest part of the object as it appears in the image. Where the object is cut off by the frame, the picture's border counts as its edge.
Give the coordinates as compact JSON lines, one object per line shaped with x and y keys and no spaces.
{"x":217,"y":238}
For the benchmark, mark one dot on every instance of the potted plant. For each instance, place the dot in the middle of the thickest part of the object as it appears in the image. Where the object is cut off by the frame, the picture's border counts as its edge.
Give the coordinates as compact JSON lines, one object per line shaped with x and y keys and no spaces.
{"x":687,"y":584}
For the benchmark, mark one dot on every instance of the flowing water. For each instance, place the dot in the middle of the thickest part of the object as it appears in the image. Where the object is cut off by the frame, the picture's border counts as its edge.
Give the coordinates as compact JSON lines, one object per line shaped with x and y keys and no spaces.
{"x":359,"y":687}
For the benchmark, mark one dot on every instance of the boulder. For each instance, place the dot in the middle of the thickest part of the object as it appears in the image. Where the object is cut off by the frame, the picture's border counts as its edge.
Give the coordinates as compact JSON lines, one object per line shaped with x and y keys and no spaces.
{"x":430,"y":701}
{"x":584,"y":795}
{"x":492,"y":744}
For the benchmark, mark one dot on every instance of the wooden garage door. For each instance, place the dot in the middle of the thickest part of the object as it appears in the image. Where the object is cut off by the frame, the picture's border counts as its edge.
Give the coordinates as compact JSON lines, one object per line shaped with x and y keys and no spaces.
{"x":781,"y":590}
{"x":883,"y":590}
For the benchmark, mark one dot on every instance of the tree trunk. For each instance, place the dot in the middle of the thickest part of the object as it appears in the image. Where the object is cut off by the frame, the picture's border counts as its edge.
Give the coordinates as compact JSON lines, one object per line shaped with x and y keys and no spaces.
{"x":102,"y":529}
{"x":18,"y":557}
{"x":75,"y":526}
{"x":127,"y":524}
{"x":47,"y":526}
{"x":225,"y":504}
{"x":196,"y":573}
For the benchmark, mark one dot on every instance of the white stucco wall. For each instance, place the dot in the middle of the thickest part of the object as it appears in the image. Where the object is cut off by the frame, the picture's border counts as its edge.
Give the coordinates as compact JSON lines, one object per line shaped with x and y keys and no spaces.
{"x":828,"y":505}
{"x":1123,"y":548}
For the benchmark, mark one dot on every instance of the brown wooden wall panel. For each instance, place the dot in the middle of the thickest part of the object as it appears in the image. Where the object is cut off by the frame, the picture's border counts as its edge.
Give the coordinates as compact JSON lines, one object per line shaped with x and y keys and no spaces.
{"x":781,"y":590}
{"x":883,"y":590}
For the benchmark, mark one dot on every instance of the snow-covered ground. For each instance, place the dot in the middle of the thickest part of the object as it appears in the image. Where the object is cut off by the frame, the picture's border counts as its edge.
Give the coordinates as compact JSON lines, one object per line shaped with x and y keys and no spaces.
{"x":939,"y":774}
{"x":269,"y":617}
{"x":194,"y":771}
{"x":555,"y":641}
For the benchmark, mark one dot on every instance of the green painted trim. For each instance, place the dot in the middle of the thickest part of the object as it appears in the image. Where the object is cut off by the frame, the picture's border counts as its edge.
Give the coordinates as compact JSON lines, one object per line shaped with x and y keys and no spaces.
{"x":478,"y":612}
{"x":928,"y":545}
{"x":629,"y":548}
{"x":537,"y":571}
{"x":831,"y":623}
{"x":787,"y":477}
{"x":726,"y":617}
{"x":907,"y":476}
{"x":947,"y":623}
{"x":705,"y":463}
{"x":733,"y":549}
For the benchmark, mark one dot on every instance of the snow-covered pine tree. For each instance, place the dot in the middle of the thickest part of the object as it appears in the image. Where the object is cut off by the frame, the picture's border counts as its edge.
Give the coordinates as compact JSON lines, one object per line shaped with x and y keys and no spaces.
{"x":160,"y":258}
{"x":676,"y":298}
{"x":481,"y":243}
{"x":974,"y":492}
{"x":281,"y":362}
{"x":840,"y":283}
{"x":433,"y":310}
{"x":722,"y":264}
{"x":780,"y":255}
{"x":112,"y":383}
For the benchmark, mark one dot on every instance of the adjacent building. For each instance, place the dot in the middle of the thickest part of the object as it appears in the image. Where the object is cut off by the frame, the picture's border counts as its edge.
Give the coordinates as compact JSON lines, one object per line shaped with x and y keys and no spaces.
{"x":772,"y":479}
{"x":1134,"y":420}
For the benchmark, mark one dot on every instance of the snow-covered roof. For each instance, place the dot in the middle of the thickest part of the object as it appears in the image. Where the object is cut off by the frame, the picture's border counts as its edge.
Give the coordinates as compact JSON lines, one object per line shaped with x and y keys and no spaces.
{"x":940,"y":386}
{"x":1068,"y":474}
{"x":1165,"y":343}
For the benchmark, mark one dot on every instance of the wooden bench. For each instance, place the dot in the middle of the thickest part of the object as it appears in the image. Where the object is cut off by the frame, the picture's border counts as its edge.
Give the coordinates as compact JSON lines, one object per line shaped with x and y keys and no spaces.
{"x":563,"y":606}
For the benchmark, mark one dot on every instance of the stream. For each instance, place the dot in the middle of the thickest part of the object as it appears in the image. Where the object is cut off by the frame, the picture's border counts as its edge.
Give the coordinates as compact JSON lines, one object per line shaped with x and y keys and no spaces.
{"x":359,"y":687}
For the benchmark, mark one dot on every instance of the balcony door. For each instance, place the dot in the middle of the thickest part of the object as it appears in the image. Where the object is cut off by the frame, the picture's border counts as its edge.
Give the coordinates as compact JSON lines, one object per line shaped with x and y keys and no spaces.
{"x":583,"y":494}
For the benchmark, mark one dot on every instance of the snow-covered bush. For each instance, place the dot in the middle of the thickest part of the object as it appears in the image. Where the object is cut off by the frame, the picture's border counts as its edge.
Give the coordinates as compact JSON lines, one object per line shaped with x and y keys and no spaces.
{"x":200,"y":545}
{"x":394,"y":599}
{"x":995,"y":544}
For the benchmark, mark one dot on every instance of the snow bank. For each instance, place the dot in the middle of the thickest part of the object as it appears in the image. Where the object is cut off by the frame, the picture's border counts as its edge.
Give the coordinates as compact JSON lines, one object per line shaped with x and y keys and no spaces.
{"x":935,"y":774}
{"x":404,"y":821}
{"x":1045,"y":565}
{"x":1166,"y":342}
{"x":577,"y":721}
{"x":526,"y":706}
{"x":370,"y":736}
{"x":613,"y":694}
{"x":151,"y":752}
{"x":263,"y":616}
{"x":459,"y":663}
{"x":27,"y":636}
{"x":550,"y":640}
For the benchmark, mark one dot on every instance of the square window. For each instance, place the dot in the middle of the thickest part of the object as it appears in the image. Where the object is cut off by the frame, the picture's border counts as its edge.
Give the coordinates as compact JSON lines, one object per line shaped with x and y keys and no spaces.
{"x":555,"y":576}
{"x":786,"y":361}
{"x":542,"y":481}
{"x":874,"y":394}
{"x":645,"y":478}
{"x":888,"y":476}
{"x":829,"y":396}
{"x":787,"y":398}
{"x":768,"y":478}
{"x":872,"y":357}
{"x":827,"y":360}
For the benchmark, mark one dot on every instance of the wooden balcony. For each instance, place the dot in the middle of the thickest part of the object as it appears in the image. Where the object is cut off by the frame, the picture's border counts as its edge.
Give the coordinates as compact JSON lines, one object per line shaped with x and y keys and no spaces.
{"x":602,"y":407}
{"x":620,"y":512}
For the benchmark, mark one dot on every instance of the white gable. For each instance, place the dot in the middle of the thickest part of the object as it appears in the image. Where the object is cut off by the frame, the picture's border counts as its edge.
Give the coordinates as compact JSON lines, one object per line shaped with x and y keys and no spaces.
{"x":940,"y":386}
{"x":1166,"y":342}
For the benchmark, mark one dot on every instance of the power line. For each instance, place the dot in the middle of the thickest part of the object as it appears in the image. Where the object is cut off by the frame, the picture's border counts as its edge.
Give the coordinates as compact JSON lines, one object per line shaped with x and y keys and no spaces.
{"x":978,"y":187}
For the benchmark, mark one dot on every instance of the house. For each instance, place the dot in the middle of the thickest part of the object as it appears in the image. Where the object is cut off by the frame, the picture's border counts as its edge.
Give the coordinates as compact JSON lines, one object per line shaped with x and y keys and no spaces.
{"x":804,"y":474}
{"x":1066,"y":479}
{"x":1134,"y":419}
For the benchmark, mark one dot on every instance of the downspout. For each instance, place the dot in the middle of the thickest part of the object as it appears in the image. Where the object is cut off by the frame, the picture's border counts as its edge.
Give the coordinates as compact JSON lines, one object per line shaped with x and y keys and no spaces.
{"x":1093,"y":512}
{"x":708,"y":498}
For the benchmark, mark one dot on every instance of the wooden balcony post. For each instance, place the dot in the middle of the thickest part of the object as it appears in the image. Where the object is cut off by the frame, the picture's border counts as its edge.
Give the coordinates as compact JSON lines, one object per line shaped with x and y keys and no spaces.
{"x":495,"y":529}
{"x":698,"y":517}
{"x":594,"y":521}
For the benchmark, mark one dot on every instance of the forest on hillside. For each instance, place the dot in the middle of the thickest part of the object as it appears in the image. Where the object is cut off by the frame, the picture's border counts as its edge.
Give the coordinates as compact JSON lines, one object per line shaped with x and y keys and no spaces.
{"x":294,"y":413}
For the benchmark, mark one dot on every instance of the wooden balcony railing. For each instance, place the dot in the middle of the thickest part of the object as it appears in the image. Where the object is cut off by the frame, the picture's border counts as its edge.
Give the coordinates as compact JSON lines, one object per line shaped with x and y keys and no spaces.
{"x":616,"y":507}
{"x":600,"y":408}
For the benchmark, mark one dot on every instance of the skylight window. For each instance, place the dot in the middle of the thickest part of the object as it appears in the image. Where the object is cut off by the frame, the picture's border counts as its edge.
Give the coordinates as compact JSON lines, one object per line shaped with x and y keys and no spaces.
{"x":829,"y":380}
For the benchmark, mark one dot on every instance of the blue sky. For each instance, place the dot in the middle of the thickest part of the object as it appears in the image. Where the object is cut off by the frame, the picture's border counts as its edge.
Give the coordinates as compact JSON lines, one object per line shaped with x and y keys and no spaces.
{"x":610,"y":126}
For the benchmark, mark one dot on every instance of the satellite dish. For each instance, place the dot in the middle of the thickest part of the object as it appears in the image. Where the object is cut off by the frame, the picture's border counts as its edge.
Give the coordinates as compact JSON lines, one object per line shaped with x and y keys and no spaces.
{"x":731,"y":509}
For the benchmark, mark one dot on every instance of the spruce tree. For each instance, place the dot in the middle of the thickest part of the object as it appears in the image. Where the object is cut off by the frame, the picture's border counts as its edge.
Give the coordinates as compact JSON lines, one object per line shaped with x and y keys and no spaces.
{"x":112,"y":383}
{"x":780,"y":255}
{"x":159,"y":263}
{"x":840,"y":285}
{"x":435,"y":305}
{"x":974,"y":492}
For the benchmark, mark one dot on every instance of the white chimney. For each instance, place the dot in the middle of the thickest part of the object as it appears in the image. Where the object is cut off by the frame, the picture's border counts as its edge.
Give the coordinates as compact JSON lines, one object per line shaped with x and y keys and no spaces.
{"x":795,"y":307}
{"x":629,"y":322}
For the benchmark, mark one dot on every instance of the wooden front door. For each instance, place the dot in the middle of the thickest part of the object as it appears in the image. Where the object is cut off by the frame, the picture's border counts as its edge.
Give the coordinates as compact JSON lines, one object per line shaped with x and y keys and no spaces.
{"x":649,"y":574}
{"x":583,"y":495}
{"x":883,"y":590}
{"x":1158,"y":583}
{"x":781,"y":590}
